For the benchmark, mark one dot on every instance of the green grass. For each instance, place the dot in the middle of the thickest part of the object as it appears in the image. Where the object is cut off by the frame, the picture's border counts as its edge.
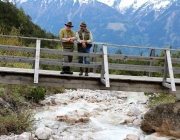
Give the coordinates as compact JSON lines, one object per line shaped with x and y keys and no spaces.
{"x":160,"y":98}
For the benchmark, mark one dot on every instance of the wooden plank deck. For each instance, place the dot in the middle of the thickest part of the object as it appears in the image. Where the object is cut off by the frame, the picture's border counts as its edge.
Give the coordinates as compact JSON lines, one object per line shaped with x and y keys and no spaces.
{"x":91,"y":75}
{"x":54,"y":78}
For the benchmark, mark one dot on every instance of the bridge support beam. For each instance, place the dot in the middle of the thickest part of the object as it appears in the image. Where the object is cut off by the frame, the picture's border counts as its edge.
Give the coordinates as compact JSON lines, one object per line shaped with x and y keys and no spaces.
{"x":37,"y":58}
{"x":168,"y":67}
{"x":105,"y":68}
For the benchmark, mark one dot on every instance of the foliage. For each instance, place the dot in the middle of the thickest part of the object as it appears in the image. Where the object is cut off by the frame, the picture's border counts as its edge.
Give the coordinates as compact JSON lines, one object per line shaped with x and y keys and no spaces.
{"x":17,"y":117}
{"x":160,"y":98}
{"x":12,"y":122}
{"x":37,"y":94}
{"x":3,"y":94}
{"x":13,"y":115}
{"x":55,"y":90}
{"x":13,"y":20}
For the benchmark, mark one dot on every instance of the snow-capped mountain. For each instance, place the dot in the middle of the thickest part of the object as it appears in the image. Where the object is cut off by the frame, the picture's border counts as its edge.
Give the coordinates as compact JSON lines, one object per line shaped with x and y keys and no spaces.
{"x":121,"y":5}
{"x":130,"y":22}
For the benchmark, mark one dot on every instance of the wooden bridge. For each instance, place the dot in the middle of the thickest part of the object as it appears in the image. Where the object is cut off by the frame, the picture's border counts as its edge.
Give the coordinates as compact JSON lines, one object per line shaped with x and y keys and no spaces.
{"x":99,"y":78}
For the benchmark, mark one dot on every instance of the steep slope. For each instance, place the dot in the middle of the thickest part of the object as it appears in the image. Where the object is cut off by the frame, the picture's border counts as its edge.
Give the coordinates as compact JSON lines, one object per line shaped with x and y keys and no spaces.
{"x":169,"y":34}
{"x":107,"y":24}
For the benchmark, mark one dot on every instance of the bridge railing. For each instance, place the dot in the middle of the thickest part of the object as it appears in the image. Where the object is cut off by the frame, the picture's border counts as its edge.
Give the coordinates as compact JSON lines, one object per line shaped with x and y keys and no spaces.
{"x":104,"y":65}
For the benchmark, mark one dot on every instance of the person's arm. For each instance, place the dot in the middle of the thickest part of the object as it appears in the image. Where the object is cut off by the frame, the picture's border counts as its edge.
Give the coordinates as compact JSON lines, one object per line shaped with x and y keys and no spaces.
{"x":61,"y":36}
{"x":80,"y":41}
{"x":72,"y":38}
{"x":66,"y":39}
{"x":90,"y":38}
{"x":77,"y":38}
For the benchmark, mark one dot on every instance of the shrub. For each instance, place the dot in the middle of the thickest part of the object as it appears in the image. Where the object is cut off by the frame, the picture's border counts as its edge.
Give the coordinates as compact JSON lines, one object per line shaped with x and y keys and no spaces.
{"x":55,"y":90}
{"x":16,"y":123}
{"x":37,"y":94}
{"x":3,"y":94}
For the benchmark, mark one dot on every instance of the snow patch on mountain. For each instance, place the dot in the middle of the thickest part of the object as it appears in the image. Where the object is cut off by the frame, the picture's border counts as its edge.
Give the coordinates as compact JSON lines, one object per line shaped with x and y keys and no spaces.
{"x":162,"y":4}
{"x":135,"y":3}
{"x":121,"y":5}
{"x":107,"y":2}
{"x":82,"y":1}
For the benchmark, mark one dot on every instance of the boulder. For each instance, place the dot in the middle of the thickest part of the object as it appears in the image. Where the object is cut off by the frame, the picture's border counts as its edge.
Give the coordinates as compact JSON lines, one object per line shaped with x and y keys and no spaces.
{"x":132,"y":137}
{"x":163,"y":118}
{"x":43,"y":133}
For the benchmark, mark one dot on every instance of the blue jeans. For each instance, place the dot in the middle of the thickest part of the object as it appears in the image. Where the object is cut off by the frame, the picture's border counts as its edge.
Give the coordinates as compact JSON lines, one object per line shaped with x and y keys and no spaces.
{"x":86,"y":59}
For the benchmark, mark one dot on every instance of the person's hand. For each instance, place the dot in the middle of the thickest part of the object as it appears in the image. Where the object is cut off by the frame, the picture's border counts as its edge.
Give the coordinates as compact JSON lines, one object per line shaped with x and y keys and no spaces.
{"x":71,"y":40}
{"x":84,"y":45}
{"x":68,"y":39}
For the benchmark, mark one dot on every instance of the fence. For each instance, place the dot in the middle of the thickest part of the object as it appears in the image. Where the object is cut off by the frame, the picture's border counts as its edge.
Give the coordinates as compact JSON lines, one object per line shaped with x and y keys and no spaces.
{"x":167,"y":68}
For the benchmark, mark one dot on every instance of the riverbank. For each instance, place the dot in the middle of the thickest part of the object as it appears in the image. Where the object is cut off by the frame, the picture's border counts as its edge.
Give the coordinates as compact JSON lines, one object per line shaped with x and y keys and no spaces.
{"x":90,"y":115}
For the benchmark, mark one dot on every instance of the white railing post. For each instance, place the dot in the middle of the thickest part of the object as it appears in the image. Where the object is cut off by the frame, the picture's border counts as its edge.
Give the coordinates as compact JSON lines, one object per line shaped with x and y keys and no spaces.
{"x":168,"y":66}
{"x":37,"y":58}
{"x":105,"y":68}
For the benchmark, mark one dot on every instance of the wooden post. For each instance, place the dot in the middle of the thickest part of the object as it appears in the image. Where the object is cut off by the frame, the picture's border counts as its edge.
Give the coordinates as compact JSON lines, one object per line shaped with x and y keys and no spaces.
{"x":37,"y":58}
{"x":151,"y":63}
{"x":105,"y":68}
{"x":94,"y":58}
{"x":152,"y":53}
{"x":168,"y":67}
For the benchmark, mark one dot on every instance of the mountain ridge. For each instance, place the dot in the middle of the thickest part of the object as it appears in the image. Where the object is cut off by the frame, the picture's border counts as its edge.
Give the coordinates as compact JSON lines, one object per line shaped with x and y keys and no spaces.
{"x":143,"y":24}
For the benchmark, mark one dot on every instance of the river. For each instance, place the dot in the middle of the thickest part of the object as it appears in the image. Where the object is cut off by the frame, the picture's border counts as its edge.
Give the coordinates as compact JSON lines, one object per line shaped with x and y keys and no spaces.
{"x":111,"y":115}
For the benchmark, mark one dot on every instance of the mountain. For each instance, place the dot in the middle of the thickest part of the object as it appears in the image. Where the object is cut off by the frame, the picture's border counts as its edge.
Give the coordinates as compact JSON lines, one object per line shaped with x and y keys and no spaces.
{"x":132,"y":22}
{"x":14,"y":21}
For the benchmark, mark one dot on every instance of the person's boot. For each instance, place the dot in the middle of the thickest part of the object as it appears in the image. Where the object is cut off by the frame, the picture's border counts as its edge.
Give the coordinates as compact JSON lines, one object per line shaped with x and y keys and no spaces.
{"x":81,"y":71}
{"x":68,"y":71}
{"x":86,"y":72}
{"x":64,"y":69}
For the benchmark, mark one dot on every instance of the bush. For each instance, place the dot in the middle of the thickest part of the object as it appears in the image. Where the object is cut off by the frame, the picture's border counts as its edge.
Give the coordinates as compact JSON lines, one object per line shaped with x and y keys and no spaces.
{"x":37,"y":94}
{"x":55,"y":90}
{"x":16,"y":123}
{"x":3,"y":94}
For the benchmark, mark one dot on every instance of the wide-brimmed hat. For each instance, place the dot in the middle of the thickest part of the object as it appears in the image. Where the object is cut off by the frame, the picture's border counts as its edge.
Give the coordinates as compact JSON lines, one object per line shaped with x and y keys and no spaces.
{"x":69,"y":24}
{"x":83,"y":24}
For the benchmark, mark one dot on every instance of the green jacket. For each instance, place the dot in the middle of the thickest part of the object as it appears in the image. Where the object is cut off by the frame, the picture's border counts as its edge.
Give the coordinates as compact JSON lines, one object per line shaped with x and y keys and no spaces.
{"x":65,"y":34}
{"x":86,"y":37}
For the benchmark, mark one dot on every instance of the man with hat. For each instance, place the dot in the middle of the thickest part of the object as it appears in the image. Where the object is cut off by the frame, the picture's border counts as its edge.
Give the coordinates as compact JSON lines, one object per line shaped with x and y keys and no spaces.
{"x":67,"y":38}
{"x":84,"y":40}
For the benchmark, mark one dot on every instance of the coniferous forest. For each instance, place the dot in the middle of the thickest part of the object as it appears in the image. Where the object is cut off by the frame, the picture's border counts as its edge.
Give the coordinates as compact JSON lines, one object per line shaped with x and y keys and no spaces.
{"x":14,"y":21}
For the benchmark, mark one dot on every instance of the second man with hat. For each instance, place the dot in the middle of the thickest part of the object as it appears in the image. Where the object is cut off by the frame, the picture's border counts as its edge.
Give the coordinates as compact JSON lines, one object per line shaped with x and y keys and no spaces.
{"x":84,"y":42}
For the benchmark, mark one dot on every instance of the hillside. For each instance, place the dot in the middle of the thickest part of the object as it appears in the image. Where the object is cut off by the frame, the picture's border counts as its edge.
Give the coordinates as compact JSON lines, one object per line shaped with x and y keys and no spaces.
{"x":14,"y":21}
